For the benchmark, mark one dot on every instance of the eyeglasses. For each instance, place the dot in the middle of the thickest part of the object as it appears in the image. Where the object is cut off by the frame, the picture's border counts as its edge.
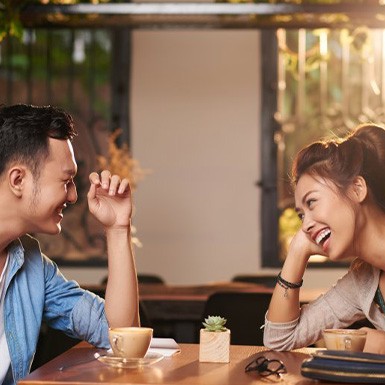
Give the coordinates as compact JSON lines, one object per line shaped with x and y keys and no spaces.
{"x":266,"y":367}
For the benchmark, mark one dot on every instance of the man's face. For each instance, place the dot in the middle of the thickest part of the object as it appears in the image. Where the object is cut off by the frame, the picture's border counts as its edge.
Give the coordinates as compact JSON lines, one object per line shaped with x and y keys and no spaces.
{"x":53,"y":189}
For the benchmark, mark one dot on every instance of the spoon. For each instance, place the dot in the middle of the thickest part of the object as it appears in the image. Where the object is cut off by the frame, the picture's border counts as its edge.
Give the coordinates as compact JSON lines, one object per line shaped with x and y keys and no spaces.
{"x":65,"y":367}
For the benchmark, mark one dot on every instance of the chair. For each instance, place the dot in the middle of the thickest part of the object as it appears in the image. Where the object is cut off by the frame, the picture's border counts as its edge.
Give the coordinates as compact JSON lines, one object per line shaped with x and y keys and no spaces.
{"x":143,"y":278}
{"x":265,"y":280}
{"x":150,"y":278}
{"x":245,"y":314}
{"x":51,"y":343}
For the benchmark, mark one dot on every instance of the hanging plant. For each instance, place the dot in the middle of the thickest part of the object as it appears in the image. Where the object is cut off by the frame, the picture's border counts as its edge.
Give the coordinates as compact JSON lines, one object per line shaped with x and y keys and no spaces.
{"x":9,"y":18}
{"x":10,"y":24}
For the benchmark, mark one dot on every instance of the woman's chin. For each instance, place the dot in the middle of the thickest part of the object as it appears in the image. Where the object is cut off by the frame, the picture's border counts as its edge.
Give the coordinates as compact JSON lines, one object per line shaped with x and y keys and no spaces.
{"x":340,"y":257}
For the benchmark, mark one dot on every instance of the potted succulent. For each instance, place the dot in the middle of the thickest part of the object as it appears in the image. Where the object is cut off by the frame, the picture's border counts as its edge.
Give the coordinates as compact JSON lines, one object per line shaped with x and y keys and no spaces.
{"x":214,"y":344}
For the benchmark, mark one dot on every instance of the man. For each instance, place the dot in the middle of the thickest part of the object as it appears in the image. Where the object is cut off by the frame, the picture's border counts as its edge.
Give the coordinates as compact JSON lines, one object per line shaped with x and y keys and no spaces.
{"x":37,"y":170}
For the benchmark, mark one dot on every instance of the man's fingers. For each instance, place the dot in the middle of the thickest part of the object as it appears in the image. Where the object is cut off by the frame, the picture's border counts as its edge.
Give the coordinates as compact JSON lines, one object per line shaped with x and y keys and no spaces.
{"x":124,"y":186}
{"x":105,"y":176}
{"x":111,"y":183}
{"x":94,"y":178}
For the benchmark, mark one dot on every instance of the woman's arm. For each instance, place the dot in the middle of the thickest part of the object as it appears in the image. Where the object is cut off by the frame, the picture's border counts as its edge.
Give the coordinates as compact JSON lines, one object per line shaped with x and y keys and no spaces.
{"x":375,"y":341}
{"x":339,"y":307}
{"x":284,"y":305}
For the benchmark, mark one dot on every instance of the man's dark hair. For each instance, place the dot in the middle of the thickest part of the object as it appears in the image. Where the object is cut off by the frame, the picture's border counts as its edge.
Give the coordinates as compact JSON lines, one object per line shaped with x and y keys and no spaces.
{"x":25,"y":131}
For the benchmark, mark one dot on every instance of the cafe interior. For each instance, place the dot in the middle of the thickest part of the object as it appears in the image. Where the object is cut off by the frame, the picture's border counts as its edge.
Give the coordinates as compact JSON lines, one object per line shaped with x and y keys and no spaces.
{"x":203,"y":109}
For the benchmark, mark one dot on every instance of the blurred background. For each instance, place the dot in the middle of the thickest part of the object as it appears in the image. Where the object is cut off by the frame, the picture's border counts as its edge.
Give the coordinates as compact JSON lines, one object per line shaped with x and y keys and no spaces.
{"x":203,"y":113}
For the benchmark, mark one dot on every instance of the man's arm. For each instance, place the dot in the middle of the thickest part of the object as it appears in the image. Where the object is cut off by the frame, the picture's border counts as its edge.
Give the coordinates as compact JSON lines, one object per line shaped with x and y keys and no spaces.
{"x":109,"y":200}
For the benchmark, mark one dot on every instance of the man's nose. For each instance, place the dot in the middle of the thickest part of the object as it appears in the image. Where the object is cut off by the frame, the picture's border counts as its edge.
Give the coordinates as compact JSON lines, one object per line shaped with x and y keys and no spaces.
{"x":72,"y":195}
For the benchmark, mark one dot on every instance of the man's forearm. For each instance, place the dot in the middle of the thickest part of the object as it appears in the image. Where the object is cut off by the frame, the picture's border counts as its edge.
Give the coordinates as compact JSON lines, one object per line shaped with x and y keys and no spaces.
{"x":122,"y":301}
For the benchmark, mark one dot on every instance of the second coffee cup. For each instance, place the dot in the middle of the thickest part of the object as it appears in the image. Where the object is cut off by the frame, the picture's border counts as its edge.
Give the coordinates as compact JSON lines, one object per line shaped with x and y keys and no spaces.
{"x":130,"y":342}
{"x":345,"y":339}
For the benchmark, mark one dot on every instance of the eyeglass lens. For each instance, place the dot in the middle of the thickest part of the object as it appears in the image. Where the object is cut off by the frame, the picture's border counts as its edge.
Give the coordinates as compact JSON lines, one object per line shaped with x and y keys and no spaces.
{"x":266,"y":367}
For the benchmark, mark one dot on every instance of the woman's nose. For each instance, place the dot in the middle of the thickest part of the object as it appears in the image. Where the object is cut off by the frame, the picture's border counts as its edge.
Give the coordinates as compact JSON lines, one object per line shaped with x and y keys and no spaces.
{"x":307,"y":224}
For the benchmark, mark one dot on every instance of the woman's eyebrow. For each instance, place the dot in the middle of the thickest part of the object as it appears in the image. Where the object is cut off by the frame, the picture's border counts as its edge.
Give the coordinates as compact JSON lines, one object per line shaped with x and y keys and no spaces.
{"x":303,"y":200}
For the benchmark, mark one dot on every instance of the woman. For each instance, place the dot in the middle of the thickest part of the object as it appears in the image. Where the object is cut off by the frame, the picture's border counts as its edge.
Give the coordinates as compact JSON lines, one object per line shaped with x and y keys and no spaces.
{"x":340,"y":198}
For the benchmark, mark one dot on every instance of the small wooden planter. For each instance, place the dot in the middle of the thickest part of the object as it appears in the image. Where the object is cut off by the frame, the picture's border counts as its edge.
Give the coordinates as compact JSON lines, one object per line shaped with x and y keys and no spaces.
{"x":214,"y":346}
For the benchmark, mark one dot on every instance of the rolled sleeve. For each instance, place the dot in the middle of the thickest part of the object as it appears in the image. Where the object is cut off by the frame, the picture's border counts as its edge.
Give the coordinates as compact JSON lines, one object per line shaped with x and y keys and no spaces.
{"x":279,"y":336}
{"x":89,"y":320}
{"x":73,"y":310}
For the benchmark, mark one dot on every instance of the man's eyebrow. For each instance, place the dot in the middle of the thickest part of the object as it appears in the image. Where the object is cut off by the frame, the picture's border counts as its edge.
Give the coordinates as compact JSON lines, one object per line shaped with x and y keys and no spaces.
{"x":70,"y":172}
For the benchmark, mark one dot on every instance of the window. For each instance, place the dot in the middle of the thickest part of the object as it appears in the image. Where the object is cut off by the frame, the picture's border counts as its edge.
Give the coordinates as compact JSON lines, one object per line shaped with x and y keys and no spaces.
{"x":325,"y":83}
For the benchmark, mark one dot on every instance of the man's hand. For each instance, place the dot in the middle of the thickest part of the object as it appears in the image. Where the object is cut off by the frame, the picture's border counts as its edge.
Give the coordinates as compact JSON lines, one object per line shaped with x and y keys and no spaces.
{"x":109,"y":199}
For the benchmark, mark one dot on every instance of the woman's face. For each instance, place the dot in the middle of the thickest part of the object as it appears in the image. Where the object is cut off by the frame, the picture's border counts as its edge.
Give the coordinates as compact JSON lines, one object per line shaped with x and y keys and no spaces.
{"x":328,"y":219}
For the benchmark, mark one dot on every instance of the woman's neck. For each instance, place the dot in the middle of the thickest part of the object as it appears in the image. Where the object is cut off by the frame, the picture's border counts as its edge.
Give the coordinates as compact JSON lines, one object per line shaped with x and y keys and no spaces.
{"x":370,"y":243}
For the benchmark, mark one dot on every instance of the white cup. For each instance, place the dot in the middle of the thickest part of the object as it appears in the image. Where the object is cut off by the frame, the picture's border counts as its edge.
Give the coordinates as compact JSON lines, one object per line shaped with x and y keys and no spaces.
{"x":345,"y":339}
{"x":130,"y":342}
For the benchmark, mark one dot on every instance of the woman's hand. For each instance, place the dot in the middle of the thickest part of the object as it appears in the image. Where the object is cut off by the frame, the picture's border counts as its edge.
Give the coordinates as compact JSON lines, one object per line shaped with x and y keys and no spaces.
{"x":303,"y":247}
{"x":375,"y":341}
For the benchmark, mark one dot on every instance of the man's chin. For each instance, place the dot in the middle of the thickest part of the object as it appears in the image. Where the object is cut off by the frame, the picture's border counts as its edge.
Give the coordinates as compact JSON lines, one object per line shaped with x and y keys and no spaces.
{"x":54,"y":230}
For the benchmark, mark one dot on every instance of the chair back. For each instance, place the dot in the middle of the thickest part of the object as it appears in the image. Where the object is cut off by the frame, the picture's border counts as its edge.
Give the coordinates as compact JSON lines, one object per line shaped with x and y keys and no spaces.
{"x":142,"y":278}
{"x":150,"y":278}
{"x":245,"y":314}
{"x":265,"y":280}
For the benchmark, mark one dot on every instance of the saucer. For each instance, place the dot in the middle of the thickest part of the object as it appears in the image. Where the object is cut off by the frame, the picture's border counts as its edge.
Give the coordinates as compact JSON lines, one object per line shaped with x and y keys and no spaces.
{"x":129,"y":363}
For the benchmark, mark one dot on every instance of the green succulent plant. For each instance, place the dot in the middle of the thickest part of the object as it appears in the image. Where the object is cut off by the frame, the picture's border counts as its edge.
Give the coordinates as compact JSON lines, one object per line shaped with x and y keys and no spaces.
{"x":215,"y":324}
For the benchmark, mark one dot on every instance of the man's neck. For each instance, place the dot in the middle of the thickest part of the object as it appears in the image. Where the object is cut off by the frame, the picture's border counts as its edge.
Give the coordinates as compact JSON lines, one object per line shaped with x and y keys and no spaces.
{"x":3,"y":258}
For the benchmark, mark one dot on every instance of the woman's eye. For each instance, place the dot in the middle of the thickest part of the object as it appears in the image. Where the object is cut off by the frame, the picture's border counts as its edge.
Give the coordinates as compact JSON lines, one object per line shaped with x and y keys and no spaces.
{"x":301,"y":216}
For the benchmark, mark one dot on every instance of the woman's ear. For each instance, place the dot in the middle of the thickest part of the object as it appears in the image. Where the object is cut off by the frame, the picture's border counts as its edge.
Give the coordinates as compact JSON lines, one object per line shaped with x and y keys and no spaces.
{"x":16,"y":180}
{"x":360,"y":188}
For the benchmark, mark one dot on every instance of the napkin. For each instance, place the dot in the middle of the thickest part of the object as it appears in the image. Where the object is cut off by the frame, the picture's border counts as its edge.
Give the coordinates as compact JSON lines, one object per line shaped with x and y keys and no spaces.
{"x":165,"y":346}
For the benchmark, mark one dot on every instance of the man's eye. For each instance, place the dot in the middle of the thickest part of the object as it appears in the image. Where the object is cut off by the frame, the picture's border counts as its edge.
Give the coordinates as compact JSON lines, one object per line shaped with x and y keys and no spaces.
{"x":309,"y":202}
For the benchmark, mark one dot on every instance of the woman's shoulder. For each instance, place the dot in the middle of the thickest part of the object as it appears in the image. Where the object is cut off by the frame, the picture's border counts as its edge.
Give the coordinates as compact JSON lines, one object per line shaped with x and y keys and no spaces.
{"x":363,"y":272}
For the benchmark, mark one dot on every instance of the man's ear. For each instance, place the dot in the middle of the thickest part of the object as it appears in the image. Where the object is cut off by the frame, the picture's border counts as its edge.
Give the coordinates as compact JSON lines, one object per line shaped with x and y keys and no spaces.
{"x":360,"y":188}
{"x":17,"y":179}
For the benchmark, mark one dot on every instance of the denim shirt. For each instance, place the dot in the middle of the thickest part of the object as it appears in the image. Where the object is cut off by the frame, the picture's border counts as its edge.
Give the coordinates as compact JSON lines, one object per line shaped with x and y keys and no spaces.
{"x":36,"y":291}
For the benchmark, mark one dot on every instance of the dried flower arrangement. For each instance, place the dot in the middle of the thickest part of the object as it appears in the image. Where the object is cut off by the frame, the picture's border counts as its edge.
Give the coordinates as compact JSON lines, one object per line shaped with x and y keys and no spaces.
{"x":119,"y":161}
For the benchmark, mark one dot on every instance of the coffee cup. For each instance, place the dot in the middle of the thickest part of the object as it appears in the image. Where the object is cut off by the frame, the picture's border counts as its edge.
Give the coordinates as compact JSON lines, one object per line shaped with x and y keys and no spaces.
{"x":130,"y":342}
{"x":344,"y":339}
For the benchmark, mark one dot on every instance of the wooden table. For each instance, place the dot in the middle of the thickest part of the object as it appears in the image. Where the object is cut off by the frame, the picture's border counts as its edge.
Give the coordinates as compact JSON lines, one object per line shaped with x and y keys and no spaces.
{"x":182,"y":369}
